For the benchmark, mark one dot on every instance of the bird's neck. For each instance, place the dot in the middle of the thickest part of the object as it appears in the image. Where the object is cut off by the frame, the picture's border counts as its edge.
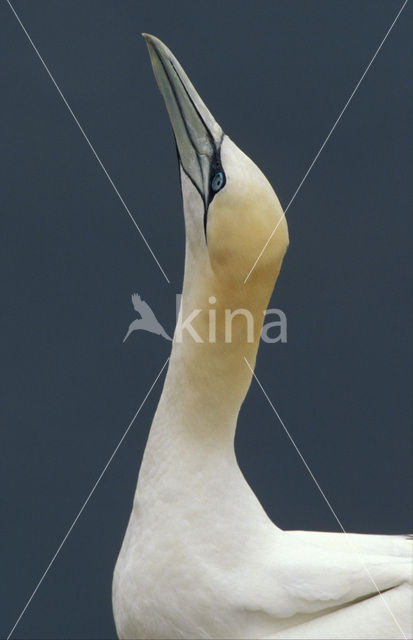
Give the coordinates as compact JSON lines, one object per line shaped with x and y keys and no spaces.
{"x":209,"y":371}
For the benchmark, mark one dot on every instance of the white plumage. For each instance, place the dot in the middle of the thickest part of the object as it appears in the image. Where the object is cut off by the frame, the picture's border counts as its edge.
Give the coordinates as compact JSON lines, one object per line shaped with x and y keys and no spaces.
{"x":200,"y":558}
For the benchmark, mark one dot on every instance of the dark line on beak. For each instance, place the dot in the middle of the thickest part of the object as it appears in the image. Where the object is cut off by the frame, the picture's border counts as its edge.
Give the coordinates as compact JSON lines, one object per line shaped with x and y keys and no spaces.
{"x":183,"y":120}
{"x":211,"y":139}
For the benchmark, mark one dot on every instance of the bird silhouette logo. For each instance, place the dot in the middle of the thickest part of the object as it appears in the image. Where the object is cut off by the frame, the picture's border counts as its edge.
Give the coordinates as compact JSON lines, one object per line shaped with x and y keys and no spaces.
{"x":147,"y":320}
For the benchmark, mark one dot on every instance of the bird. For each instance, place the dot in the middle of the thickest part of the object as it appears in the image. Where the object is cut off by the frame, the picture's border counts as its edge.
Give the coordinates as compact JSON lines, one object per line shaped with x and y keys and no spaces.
{"x":147,"y":320}
{"x":200,"y":557}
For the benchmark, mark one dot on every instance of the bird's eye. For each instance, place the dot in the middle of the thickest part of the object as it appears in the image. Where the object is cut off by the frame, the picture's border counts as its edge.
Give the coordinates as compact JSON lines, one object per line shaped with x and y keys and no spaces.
{"x":218,"y":181}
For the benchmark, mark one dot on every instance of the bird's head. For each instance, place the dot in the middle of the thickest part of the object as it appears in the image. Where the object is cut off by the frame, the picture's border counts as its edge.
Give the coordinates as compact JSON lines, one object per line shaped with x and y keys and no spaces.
{"x":230,"y":207}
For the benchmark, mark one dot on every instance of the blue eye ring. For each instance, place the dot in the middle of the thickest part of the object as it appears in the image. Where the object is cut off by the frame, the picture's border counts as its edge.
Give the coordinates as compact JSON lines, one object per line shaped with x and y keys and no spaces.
{"x":218,"y":181}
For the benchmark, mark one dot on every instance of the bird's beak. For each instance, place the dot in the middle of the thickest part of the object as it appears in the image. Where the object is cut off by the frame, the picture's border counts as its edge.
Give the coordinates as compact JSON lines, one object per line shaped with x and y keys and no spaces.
{"x":198,"y":137}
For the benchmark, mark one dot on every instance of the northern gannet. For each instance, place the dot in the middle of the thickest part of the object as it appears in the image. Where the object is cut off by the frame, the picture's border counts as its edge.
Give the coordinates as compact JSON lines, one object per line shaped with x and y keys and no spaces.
{"x":200,"y":557}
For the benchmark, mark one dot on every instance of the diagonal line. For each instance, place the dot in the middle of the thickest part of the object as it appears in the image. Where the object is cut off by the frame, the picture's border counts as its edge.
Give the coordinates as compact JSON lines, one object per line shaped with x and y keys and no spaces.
{"x":295,"y":446}
{"x":325,"y":498}
{"x":86,"y":501}
{"x":327,"y":138}
{"x":89,"y":143}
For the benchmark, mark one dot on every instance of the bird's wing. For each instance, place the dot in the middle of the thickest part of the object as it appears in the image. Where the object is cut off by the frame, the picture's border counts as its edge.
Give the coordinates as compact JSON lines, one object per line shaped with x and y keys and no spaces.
{"x":146,"y":311}
{"x":384,"y":617}
{"x":142,"y":307}
{"x":136,"y":301}
{"x":318,"y":583}
{"x":303,"y":578}
{"x":389,"y":545}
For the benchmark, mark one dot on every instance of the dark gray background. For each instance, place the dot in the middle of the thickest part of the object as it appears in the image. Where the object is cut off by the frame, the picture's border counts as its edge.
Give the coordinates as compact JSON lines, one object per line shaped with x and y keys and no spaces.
{"x":275,"y":75}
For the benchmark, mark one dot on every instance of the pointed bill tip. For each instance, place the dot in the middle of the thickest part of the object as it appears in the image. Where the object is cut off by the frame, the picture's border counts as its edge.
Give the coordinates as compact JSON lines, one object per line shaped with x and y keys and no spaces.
{"x":148,"y":39}
{"x":153,"y":41}
{"x":156,"y":46}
